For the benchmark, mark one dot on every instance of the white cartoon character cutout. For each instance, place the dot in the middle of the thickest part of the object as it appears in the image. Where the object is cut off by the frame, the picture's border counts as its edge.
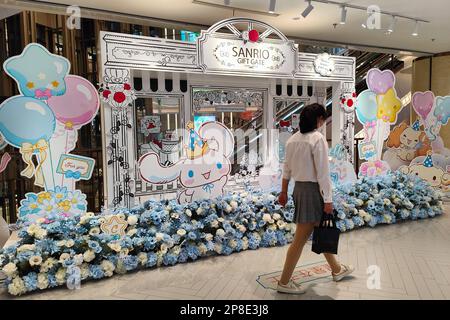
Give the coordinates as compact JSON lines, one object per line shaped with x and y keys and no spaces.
{"x":436,"y":176}
{"x":203,"y":172}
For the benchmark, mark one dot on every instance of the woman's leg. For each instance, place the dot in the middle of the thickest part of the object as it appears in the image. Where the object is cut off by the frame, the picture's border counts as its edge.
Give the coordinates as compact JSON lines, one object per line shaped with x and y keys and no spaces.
{"x":333,"y":263}
{"x":302,"y":233}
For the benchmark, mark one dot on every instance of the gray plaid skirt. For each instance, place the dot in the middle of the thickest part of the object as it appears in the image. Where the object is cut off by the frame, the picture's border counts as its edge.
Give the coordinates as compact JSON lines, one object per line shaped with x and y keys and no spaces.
{"x":308,"y":202}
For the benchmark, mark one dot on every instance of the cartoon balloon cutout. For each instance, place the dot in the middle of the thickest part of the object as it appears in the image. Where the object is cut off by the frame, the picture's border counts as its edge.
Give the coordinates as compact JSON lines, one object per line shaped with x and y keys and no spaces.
{"x":38,"y":73}
{"x":366,"y":106}
{"x":379,"y":81}
{"x":28,"y":124}
{"x":389,"y":105}
{"x":78,"y":106}
{"x":422,"y":103}
{"x":442,"y":109}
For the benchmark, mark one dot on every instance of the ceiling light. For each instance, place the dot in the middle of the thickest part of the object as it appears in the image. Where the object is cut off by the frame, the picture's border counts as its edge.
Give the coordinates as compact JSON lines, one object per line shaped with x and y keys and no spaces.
{"x":363,"y":25}
{"x":343,"y":15}
{"x":392,"y":25}
{"x":416,"y":29}
{"x":272,"y":5}
{"x":308,"y":9}
{"x":227,"y":2}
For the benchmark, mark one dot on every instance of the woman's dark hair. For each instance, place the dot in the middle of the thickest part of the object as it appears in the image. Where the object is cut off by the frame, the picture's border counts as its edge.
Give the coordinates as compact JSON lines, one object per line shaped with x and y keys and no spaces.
{"x":309,"y":116}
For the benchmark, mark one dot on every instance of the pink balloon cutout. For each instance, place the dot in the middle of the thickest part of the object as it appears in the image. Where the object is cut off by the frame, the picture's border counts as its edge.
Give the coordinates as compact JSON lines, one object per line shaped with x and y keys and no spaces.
{"x":422,"y":103}
{"x":380,"y":81}
{"x":78,"y":105}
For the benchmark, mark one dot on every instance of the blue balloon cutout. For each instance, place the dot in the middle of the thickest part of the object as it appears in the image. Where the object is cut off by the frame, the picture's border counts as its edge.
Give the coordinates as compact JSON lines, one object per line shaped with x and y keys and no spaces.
{"x":26,"y":120}
{"x":38,"y":73}
{"x":366,"y":106}
{"x":442,"y":109}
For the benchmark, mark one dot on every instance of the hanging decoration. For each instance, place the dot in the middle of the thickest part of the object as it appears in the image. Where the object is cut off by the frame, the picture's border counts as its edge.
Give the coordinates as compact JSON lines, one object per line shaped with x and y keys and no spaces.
{"x":347,"y":102}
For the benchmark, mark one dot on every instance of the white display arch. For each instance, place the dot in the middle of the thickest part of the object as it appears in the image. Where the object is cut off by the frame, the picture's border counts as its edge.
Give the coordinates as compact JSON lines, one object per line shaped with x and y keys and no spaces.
{"x":124,"y":57}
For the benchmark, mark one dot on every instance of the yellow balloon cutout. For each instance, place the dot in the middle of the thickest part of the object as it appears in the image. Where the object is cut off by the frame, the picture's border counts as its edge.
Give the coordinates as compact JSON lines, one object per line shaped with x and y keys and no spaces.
{"x":389,"y":105}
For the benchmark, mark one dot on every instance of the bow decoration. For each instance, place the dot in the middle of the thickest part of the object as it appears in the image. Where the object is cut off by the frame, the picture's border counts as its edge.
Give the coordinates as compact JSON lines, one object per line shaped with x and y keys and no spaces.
{"x":43,"y":94}
{"x":27,"y":150}
{"x":69,"y":174}
{"x":208,"y":187}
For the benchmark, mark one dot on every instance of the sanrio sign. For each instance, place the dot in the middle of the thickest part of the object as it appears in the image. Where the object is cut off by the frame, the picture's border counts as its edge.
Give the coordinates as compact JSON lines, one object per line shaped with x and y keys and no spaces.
{"x":246,"y":52}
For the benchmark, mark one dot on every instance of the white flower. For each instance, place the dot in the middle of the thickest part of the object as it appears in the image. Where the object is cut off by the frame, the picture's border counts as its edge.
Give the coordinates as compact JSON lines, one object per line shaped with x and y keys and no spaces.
{"x":90,"y":214}
{"x":266,"y":217}
{"x":271,"y":197}
{"x":218,"y":248}
{"x":281,"y":224}
{"x":202,"y":248}
{"x":94,"y":231}
{"x":63,"y":257}
{"x":132,"y":220}
{"x":88,"y":255}
{"x":244,"y":194}
{"x":272,"y":227}
{"x":188,"y":212}
{"x":84,"y":271}
{"x":78,"y":259}
{"x":31,"y":230}
{"x":209,"y":237}
{"x":244,"y":243}
{"x":242,"y":228}
{"x":124,"y":252}
{"x":199,"y":211}
{"x":159,"y":236}
{"x":26,"y":247}
{"x":215,"y":224}
{"x":228,"y":209}
{"x":10,"y":269}
{"x":220,"y":232}
{"x":108,"y":267}
{"x":142,"y":256}
{"x":17,"y":287}
{"x":276,"y":216}
{"x":232,"y":243}
{"x":176,"y":250}
{"x":115,"y":246}
{"x":164,"y":248}
{"x":132,"y":232}
{"x":47,"y":264}
{"x":234,"y":204}
{"x":35,"y":261}
{"x":221,"y":219}
{"x":40,"y":234}
{"x":121,"y":216}
{"x":42,"y":281}
{"x":70,"y":243}
{"x":174,"y":215}
{"x":181,"y":232}
{"x":60,"y":276}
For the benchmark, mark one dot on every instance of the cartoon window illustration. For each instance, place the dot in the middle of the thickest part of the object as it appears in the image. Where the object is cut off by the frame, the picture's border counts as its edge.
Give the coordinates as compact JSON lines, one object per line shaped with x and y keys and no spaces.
{"x":157,"y":120}
{"x":241,"y":111}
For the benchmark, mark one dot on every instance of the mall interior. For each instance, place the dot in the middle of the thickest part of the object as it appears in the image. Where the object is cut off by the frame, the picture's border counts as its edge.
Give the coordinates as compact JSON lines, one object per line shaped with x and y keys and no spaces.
{"x":106,"y":106}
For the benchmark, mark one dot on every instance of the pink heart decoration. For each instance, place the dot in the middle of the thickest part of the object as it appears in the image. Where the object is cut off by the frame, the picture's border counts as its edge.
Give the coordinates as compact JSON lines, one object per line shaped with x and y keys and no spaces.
{"x":380,"y":81}
{"x":423,"y":103}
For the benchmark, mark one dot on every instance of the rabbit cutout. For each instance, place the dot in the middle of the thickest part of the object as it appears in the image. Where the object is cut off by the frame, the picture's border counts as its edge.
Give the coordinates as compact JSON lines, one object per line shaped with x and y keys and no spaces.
{"x":203,"y":176}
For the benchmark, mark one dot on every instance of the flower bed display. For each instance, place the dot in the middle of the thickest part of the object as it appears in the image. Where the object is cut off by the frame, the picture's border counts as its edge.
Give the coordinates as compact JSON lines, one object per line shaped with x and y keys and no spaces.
{"x":60,"y":250}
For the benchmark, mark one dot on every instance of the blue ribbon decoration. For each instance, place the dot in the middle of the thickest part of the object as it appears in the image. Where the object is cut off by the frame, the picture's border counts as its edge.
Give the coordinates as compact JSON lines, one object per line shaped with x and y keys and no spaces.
{"x":72,"y":174}
{"x":208,"y":187}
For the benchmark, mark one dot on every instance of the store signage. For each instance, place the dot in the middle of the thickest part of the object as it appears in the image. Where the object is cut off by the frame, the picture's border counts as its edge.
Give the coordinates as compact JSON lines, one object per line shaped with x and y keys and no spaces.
{"x":324,"y":65}
{"x":229,"y":54}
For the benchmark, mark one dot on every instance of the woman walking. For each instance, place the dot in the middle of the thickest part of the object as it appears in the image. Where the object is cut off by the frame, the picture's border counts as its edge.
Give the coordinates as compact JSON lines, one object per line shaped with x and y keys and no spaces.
{"x":306,"y":162}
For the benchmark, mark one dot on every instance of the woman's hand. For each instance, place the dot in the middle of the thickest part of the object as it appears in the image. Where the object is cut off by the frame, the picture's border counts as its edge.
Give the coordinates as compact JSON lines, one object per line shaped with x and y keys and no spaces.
{"x":328,"y":208}
{"x":282,"y":198}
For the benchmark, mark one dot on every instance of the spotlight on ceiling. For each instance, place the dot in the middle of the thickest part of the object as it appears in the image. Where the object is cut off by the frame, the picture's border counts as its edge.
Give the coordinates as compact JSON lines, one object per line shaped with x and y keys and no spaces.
{"x":343,"y":15}
{"x":308,"y":9}
{"x":363,"y":25}
{"x":392,"y":25}
{"x":416,"y":29}
{"x":272,"y":5}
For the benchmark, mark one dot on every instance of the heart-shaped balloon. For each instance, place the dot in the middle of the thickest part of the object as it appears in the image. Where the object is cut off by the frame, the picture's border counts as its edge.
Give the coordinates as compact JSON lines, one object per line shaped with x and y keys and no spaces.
{"x":380,"y":81}
{"x":422,"y":103}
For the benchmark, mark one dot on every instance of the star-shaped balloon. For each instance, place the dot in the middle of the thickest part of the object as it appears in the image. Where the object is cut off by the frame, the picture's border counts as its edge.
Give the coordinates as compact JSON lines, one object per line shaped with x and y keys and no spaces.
{"x":38,"y":73}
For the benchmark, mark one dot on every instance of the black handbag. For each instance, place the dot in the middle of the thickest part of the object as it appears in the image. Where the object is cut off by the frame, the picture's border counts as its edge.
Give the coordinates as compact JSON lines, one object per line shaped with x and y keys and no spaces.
{"x":326,"y":235}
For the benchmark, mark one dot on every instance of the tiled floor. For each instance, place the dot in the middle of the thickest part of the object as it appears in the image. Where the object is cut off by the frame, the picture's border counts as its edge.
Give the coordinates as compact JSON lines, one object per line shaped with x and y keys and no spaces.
{"x":414,"y":259}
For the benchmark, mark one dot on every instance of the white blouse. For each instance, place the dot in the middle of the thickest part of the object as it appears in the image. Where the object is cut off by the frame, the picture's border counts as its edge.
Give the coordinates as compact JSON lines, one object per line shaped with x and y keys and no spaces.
{"x":306,"y":159}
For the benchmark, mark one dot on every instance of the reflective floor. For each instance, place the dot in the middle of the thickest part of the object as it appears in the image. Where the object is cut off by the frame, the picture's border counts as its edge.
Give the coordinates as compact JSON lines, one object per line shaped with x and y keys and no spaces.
{"x":413,"y":260}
